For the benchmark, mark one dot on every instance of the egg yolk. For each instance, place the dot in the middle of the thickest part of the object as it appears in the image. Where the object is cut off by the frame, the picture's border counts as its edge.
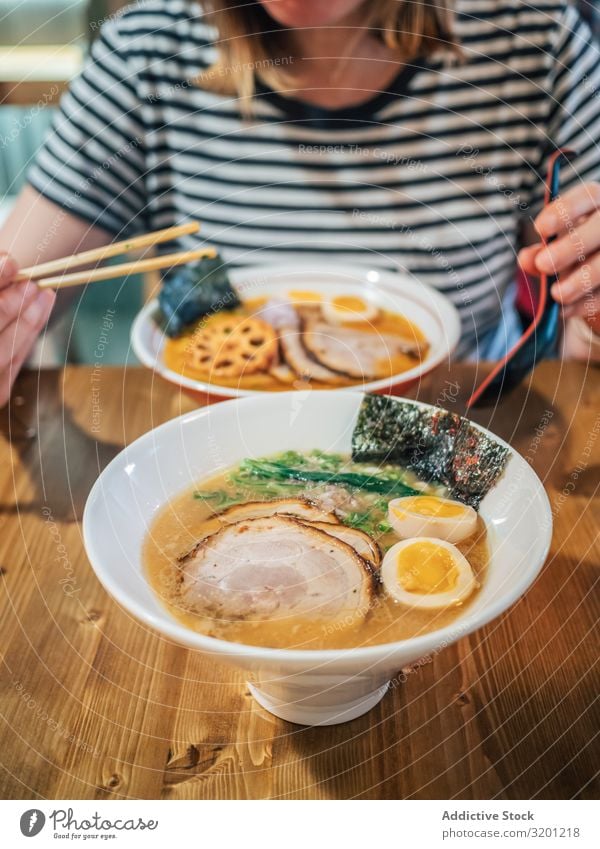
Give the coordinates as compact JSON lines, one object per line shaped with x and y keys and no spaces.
{"x":425,"y":567}
{"x":348,"y":303}
{"x":304,"y":296}
{"x":429,"y":505}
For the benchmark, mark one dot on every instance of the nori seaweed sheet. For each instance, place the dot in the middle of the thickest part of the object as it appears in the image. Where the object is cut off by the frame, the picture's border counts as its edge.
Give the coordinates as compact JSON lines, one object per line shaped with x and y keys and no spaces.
{"x":437,"y":445}
{"x":192,"y":291}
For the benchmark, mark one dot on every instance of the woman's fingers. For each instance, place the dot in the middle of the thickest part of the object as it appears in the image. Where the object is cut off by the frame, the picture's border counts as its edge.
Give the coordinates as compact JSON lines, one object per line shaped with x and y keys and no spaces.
{"x":25,"y":327}
{"x":24,"y":311}
{"x":14,"y":300}
{"x":573,"y":221}
{"x":579,"y":283}
{"x":576,"y":246}
{"x":561,"y":216}
{"x":8,"y":269}
{"x":588,"y":308}
{"x":527,"y":259}
{"x":18,"y":337}
{"x":527,"y":262}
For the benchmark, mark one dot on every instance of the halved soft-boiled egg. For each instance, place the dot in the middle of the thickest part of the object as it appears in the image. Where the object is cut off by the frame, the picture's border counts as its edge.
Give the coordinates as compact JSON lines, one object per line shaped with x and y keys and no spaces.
{"x":427,"y":573}
{"x":430,"y":516}
{"x":348,"y":308}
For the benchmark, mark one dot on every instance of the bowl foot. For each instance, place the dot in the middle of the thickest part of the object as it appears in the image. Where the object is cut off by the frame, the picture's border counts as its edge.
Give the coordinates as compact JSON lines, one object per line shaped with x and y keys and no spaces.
{"x":303,"y":714}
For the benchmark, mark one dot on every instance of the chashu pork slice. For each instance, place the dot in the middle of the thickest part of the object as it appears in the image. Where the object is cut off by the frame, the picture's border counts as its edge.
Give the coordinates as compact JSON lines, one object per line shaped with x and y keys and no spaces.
{"x":364,"y":355}
{"x":301,"y":361}
{"x":362,"y":543}
{"x":299,"y":508}
{"x":273,"y":568}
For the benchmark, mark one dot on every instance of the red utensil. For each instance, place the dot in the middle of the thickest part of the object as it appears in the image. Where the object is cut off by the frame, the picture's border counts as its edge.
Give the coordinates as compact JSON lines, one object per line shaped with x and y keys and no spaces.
{"x":540,"y":339}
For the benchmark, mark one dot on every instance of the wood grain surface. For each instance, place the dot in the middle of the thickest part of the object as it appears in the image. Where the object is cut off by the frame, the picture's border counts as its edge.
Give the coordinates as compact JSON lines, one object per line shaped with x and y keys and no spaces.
{"x":95,"y":706}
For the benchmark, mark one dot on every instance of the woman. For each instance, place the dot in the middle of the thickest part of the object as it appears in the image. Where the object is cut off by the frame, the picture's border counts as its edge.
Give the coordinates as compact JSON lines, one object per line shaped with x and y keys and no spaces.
{"x":389,"y":132}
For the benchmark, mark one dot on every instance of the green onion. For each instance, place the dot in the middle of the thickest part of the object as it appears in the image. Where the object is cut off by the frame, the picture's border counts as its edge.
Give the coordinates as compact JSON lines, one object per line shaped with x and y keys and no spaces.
{"x":219,"y":497}
{"x":277,"y":470}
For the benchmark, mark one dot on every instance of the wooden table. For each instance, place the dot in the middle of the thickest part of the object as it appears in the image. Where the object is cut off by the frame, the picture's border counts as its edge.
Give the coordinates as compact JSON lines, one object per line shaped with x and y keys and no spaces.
{"x":96,"y":706}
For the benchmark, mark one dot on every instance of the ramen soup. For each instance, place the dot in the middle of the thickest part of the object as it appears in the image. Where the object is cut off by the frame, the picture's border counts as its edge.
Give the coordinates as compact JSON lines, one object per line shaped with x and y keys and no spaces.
{"x":304,"y":338}
{"x":315,"y":551}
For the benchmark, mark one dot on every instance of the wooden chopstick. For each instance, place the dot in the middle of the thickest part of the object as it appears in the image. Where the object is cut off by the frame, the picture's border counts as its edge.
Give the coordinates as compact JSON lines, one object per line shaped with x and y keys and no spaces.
{"x":36,"y":272}
{"x":109,"y":272}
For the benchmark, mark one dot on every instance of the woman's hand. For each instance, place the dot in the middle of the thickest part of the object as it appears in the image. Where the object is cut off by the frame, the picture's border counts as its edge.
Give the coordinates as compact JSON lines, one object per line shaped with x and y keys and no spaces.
{"x":574,"y":255}
{"x":24,"y":311}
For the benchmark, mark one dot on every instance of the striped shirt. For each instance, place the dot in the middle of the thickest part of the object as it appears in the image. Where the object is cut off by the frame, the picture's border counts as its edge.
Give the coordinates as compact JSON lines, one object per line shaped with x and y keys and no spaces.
{"x":435,"y":176}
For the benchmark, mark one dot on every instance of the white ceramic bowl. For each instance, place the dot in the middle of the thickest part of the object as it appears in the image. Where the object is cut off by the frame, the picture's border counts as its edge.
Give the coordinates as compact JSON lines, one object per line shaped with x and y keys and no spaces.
{"x":431,"y":311}
{"x":307,"y":687}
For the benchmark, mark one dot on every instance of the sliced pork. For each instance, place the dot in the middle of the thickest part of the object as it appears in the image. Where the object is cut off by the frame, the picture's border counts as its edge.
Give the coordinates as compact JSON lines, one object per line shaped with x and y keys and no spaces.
{"x":300,"y":361}
{"x":275,"y":567}
{"x":359,"y":540}
{"x":363,"y":355}
{"x":283,"y":373}
{"x":300,"y":508}
{"x":281,"y":314}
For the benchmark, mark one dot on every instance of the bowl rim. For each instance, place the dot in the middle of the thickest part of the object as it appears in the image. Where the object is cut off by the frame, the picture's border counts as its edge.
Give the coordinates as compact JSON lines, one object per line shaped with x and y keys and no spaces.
{"x":448,"y":318}
{"x":301,"y":657}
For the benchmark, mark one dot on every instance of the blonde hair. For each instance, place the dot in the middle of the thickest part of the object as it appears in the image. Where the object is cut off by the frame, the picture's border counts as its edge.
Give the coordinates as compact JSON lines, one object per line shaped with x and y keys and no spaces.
{"x":251,"y":42}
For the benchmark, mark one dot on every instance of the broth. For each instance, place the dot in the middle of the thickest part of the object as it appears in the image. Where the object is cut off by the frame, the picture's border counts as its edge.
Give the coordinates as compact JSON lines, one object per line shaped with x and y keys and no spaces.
{"x":175,"y":350}
{"x":190,"y":516}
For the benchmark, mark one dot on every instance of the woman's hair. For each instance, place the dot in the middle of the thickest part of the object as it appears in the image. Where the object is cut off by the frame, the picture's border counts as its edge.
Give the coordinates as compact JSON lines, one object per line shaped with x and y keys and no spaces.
{"x":251,"y":43}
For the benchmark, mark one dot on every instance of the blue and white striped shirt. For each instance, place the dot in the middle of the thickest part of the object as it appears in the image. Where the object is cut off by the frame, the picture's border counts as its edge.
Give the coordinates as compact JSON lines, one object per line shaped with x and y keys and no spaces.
{"x":436,"y":175}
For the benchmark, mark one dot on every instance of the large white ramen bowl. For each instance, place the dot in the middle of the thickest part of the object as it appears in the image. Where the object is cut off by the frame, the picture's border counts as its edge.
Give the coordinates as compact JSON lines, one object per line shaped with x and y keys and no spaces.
{"x":307,"y":687}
